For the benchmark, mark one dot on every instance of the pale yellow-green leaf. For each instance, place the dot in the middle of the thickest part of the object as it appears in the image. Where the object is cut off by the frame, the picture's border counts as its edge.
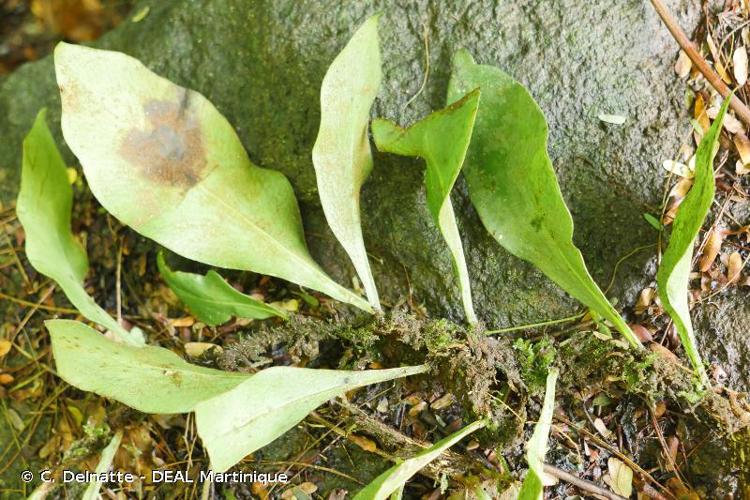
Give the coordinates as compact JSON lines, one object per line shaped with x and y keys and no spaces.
{"x":341,"y":154}
{"x":533,"y":484}
{"x":254,"y":413}
{"x":393,"y":480}
{"x":164,"y":161}
{"x":44,"y":208}
{"x":105,"y":462}
{"x":620,"y":476}
{"x":149,"y":379}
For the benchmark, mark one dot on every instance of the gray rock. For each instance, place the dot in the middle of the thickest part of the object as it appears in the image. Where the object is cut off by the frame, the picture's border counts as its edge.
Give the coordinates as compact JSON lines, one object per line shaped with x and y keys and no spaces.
{"x":261,"y":62}
{"x":722,"y":327}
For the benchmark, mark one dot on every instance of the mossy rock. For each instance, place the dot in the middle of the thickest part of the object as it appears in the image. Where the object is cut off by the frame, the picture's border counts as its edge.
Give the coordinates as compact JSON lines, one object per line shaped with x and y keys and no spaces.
{"x":262,"y":63}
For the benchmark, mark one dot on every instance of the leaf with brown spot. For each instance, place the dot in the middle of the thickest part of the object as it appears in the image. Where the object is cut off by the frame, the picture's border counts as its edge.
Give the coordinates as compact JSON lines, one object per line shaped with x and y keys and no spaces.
{"x":164,"y":161}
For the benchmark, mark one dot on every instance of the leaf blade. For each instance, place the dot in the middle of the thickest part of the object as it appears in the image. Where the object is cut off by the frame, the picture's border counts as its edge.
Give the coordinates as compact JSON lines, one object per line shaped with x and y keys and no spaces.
{"x":105,"y":462}
{"x":169,"y":165}
{"x":343,"y":161}
{"x":514,"y":189}
{"x":212,"y":299}
{"x":532,"y":487}
{"x":44,"y":206}
{"x":393,"y":480}
{"x":149,"y":379}
{"x":251,"y":415}
{"x":673,"y":275}
{"x":444,"y":159}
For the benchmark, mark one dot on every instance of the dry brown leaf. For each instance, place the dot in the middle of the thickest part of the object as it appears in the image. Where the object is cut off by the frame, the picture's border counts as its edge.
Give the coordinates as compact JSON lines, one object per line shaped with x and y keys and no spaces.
{"x":683,"y":65}
{"x":6,"y":378}
{"x":741,"y":168}
{"x":443,"y":402}
{"x":734,"y":267}
{"x":5,"y":346}
{"x":601,"y":428}
{"x":182,"y":322}
{"x":699,"y":113}
{"x":365,"y":443}
{"x":663,"y":352}
{"x":414,"y":411}
{"x":644,"y":300}
{"x":742,"y":143}
{"x":731,"y":124}
{"x":718,"y":65}
{"x":739,"y":65}
{"x":196,"y":349}
{"x":643,"y":333}
{"x":678,"y":168}
{"x":680,"y":190}
{"x":711,"y":249}
{"x":620,"y":477}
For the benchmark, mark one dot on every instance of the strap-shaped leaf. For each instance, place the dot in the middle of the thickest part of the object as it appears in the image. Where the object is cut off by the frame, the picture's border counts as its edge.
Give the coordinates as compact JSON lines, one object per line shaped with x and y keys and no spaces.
{"x":341,"y":154}
{"x":164,"y":161}
{"x":442,"y":139}
{"x":44,"y":209}
{"x":533,"y":487}
{"x":246,"y":418}
{"x":394,"y":479}
{"x":105,"y":462}
{"x":674,"y":273}
{"x":149,"y":379}
{"x":513,"y":186}
{"x":211,"y":299}
{"x":236,"y":413}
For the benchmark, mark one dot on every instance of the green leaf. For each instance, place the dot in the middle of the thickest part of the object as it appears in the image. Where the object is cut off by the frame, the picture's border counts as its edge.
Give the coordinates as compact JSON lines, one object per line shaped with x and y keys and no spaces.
{"x":513,"y":187}
{"x":341,"y":154}
{"x":532,"y":487}
{"x":394,"y":479}
{"x":254,"y":413}
{"x":105,"y":462}
{"x":653,"y":221}
{"x":211,"y":299}
{"x":44,"y":209}
{"x":165,"y":162}
{"x":149,"y":379}
{"x":674,"y":273}
{"x":442,"y":139}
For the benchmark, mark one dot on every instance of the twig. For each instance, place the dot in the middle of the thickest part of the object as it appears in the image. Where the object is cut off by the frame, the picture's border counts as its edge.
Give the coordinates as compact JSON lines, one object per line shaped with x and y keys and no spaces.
{"x":63,"y":310}
{"x":581,"y":483}
{"x":535,"y":325}
{"x":685,"y":44}
{"x":603,"y":444}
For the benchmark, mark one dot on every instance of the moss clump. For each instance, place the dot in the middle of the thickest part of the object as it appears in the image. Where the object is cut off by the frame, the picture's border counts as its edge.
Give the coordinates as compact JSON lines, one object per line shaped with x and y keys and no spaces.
{"x":535,"y":358}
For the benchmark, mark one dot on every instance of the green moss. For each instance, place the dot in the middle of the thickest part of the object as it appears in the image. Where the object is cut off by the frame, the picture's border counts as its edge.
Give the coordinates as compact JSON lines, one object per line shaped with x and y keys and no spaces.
{"x":535,"y":359}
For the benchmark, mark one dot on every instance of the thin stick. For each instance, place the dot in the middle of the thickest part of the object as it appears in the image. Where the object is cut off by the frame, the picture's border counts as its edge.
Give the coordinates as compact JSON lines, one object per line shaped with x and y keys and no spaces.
{"x":603,"y":444}
{"x":536,"y":325}
{"x":581,"y":483}
{"x":63,"y":310}
{"x":685,"y":44}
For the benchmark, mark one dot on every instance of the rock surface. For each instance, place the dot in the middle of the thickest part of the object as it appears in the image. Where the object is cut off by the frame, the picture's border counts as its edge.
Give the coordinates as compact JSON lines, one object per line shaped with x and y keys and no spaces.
{"x":722,"y":327}
{"x":262,"y":62}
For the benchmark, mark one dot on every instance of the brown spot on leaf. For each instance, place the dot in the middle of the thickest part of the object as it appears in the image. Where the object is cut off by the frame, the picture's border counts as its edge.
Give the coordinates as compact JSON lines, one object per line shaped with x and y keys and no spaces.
{"x":170,"y":151}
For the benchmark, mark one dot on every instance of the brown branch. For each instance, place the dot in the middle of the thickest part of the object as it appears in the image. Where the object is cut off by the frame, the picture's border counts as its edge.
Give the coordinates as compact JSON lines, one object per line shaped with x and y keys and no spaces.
{"x":581,"y":483}
{"x":685,"y":44}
